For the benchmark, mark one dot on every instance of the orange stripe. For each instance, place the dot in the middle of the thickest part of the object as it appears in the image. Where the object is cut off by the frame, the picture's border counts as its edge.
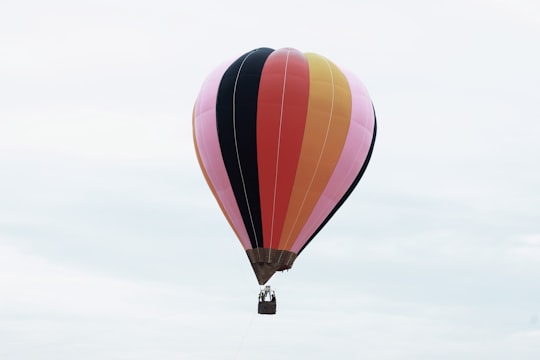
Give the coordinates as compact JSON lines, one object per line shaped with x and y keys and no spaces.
{"x":327,"y":124}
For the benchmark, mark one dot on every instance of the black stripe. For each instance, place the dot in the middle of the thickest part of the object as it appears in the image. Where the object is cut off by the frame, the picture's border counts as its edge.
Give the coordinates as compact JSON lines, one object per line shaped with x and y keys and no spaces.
{"x":351,"y":188}
{"x":240,"y":84}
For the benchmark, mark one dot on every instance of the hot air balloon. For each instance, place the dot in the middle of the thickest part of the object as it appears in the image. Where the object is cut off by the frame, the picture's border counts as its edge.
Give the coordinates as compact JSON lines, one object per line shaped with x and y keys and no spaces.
{"x":282,"y":138}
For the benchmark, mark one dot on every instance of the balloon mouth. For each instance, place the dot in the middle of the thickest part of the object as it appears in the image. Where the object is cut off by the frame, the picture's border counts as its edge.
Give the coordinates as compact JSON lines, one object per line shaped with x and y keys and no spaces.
{"x":266,"y":262}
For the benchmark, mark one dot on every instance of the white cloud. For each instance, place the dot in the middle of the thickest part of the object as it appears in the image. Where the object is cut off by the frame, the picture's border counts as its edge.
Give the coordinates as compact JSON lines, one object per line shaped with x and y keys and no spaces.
{"x":94,"y":133}
{"x":34,"y":285}
{"x":55,"y":310}
{"x":531,"y":240}
{"x":526,"y":252}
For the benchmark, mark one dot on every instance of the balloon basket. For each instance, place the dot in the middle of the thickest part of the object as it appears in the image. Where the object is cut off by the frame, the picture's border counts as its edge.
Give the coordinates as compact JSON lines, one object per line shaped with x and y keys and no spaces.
{"x":267,"y":301}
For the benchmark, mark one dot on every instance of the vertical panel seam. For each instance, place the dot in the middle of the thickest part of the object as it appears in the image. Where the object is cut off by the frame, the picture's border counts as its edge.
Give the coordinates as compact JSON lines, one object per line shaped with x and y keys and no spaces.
{"x":278,"y":151}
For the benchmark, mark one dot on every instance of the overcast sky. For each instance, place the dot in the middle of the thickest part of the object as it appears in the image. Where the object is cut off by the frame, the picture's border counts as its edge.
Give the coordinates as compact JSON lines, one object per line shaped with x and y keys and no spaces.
{"x":112,"y":246}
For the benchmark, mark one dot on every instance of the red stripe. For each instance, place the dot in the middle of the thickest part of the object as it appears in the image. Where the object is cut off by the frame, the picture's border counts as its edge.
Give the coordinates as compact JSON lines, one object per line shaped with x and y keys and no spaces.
{"x":281,"y":118}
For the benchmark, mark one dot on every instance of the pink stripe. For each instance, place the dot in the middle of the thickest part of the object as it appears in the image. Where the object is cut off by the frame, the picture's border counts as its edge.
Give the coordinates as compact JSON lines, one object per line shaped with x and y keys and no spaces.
{"x":207,"y":142}
{"x":352,"y":158}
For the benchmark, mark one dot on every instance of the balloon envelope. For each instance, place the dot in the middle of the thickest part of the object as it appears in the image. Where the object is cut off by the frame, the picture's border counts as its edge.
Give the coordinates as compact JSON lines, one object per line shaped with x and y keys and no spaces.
{"x":282,"y":138}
